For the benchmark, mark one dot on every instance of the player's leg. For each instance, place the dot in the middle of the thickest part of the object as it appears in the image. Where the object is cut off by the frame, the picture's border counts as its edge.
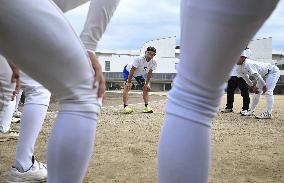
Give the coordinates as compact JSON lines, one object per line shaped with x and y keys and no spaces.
{"x":18,"y":113}
{"x":6,"y":89}
{"x":244,"y":93}
{"x":254,"y":102}
{"x":145,"y":91}
{"x":271,"y":81}
{"x":126,"y":108}
{"x":49,"y":51}
{"x":231,"y":87}
{"x":5,"y":122}
{"x":199,"y":84}
{"x":34,"y":112}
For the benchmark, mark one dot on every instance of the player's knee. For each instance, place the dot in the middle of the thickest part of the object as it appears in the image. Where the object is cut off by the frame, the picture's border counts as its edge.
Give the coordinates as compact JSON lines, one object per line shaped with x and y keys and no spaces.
{"x":83,"y":99}
{"x":37,"y":95}
{"x":189,"y":95}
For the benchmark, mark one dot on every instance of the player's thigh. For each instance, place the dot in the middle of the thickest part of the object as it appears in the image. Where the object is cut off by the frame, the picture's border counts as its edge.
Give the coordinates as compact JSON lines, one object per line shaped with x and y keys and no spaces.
{"x":271,"y":81}
{"x":47,"y":48}
{"x":35,"y":93}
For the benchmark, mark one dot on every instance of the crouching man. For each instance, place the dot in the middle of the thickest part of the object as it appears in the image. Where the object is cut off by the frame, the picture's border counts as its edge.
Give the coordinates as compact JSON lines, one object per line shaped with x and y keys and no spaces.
{"x":266,"y":76}
{"x":143,"y":65}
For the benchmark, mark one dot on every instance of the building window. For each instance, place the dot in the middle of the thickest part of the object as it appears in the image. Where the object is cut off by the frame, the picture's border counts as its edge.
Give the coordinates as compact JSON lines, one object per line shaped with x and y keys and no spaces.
{"x":107,"y":65}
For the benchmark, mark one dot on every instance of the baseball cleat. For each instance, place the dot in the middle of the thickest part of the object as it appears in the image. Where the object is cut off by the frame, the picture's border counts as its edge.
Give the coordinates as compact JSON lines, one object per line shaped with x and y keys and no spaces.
{"x":264,"y":115}
{"x":248,"y":113}
{"x":227,"y":110}
{"x":147,"y":110}
{"x":128,"y":110}
{"x":37,"y":173}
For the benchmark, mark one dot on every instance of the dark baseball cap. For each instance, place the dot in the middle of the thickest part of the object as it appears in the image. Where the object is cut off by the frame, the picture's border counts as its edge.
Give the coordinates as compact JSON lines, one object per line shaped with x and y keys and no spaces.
{"x":150,"y":48}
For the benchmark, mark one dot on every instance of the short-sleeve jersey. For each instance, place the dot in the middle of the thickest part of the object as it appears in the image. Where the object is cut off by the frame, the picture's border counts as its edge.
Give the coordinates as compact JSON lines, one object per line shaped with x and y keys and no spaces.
{"x":251,"y":67}
{"x":142,"y":66}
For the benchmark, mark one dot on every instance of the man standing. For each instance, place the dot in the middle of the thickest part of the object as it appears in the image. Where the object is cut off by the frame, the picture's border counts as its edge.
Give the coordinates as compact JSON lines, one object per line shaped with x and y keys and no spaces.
{"x":266,"y":76}
{"x":233,"y":83}
{"x":138,"y":68}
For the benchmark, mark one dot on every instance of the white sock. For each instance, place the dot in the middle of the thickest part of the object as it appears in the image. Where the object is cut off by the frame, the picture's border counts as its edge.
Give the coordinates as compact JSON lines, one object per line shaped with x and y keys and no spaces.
{"x":31,"y":122}
{"x":5,"y":124}
{"x":70,"y":147}
{"x":254,"y":102}
{"x":269,"y":103}
{"x":188,"y":158}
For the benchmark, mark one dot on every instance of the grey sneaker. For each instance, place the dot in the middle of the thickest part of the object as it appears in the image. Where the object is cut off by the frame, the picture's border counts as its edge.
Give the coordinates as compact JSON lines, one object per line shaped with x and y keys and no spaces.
{"x":248,"y":113}
{"x":243,"y":111}
{"x":227,"y":110}
{"x":36,"y":174}
{"x":264,"y":115}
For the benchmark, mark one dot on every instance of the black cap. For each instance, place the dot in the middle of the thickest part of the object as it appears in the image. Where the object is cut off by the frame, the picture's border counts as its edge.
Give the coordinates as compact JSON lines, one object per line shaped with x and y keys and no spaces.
{"x":150,"y":48}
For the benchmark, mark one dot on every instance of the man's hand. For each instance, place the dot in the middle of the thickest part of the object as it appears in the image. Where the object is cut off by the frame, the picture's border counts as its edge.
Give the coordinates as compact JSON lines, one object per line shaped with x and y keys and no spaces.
{"x":264,"y":88}
{"x":99,"y":77}
{"x":15,"y":79}
{"x":146,"y":87}
{"x":253,"y":89}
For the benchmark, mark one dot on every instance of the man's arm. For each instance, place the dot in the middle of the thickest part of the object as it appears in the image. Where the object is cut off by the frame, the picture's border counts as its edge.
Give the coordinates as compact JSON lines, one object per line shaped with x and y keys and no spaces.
{"x":99,"y":15}
{"x":149,"y":76}
{"x":130,"y":76}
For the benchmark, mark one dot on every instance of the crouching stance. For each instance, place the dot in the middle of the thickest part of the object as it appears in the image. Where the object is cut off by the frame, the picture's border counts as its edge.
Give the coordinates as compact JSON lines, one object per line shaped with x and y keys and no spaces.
{"x":266,"y":76}
{"x":138,"y":68}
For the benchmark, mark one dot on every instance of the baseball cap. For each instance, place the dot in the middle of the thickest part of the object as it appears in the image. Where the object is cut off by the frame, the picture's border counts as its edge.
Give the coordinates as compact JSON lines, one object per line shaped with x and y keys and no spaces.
{"x":150,"y":48}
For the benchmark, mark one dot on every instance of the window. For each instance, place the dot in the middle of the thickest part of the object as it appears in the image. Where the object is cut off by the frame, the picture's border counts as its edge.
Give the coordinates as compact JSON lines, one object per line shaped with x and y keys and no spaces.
{"x":107,"y":65}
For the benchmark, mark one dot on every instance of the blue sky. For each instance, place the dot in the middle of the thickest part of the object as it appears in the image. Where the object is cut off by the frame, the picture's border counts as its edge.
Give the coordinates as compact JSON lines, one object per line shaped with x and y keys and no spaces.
{"x":136,"y":22}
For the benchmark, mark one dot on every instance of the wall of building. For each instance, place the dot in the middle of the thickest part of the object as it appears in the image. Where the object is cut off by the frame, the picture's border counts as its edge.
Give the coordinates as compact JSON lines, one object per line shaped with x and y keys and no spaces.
{"x":261,"y":49}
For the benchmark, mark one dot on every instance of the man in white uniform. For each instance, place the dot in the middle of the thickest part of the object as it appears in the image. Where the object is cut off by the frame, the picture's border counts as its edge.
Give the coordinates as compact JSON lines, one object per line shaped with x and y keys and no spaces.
{"x":266,"y":76}
{"x":143,"y":65}
{"x":233,"y":83}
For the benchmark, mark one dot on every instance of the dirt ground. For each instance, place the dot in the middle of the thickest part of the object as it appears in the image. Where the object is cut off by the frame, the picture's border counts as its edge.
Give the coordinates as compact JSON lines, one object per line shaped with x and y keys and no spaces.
{"x":244,"y":149}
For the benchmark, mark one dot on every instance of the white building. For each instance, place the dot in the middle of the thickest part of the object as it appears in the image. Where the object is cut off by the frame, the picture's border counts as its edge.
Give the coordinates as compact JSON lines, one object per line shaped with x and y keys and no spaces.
{"x":167,"y":57}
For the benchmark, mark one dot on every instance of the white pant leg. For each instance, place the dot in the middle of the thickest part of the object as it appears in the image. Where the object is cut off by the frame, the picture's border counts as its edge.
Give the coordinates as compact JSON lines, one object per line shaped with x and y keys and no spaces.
{"x":271,"y":81}
{"x":213,"y":34}
{"x":34,"y":111}
{"x":5,"y":123}
{"x":6,"y":87}
{"x":49,"y":51}
{"x":18,"y":99}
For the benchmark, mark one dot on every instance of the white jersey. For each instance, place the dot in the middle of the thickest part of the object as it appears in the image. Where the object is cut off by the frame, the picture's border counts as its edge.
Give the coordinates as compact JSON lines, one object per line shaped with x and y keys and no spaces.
{"x":253,"y":68}
{"x":142,"y":66}
{"x":234,"y":71}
